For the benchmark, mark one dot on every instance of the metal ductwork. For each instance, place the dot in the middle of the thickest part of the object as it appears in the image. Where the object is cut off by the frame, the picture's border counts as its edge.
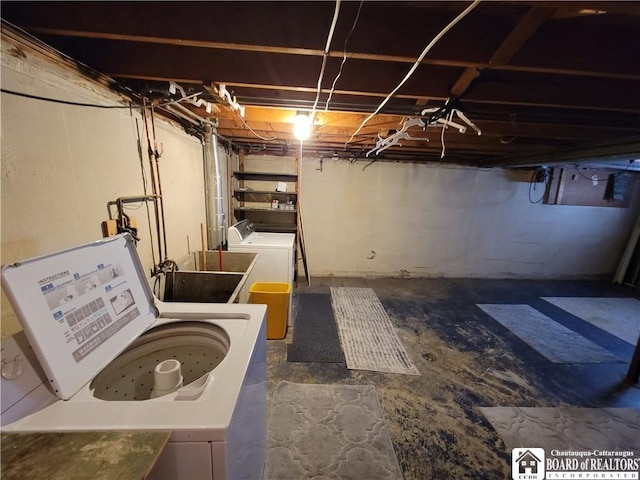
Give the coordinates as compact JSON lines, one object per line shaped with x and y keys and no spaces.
{"x":214,"y":200}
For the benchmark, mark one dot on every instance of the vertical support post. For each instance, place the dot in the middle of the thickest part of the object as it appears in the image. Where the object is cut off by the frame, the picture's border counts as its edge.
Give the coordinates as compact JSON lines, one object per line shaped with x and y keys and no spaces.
{"x":300,"y":229}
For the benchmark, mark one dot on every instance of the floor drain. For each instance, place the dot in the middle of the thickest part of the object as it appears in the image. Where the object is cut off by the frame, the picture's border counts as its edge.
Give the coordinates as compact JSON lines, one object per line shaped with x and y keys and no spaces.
{"x":429,"y":356}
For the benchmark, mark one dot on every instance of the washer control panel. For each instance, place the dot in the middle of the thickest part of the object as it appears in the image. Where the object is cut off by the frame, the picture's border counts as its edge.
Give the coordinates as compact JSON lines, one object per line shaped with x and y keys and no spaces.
{"x":240,"y":231}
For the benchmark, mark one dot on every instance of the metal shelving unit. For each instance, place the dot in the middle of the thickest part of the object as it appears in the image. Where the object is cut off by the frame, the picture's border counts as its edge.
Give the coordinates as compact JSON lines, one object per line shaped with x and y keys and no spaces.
{"x":256,"y":204}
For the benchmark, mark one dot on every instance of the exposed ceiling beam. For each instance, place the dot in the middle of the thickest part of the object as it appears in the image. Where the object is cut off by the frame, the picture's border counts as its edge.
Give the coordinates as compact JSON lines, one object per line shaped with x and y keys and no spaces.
{"x":571,"y":9}
{"x":622,"y":150}
{"x":629,"y":109}
{"x":284,"y":103}
{"x":548,"y":130}
{"x":541,"y":90}
{"x":463,"y":82}
{"x":525,"y":28}
{"x":338,"y":135}
{"x":184,"y":42}
{"x":314,"y":90}
{"x":566,"y":8}
{"x":283,"y":118}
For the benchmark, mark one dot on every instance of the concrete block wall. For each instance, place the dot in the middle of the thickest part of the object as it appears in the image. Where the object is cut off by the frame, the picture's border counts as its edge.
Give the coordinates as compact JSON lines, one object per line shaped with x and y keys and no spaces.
{"x":61,"y":164}
{"x":423,"y":220}
{"x":415,"y":220}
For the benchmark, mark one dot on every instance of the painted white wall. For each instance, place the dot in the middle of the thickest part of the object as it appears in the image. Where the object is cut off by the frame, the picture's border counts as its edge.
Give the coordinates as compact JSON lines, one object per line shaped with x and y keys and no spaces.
{"x":415,"y":220}
{"x":422,"y":220}
{"x":61,"y":164}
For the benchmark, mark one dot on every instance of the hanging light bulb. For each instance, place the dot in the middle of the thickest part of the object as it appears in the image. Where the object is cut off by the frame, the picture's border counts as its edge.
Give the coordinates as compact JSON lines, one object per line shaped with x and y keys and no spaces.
{"x":302,"y":126}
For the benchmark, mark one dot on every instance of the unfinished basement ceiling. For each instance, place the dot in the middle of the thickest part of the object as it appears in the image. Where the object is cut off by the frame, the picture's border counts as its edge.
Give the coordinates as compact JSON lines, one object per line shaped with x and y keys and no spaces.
{"x":545,"y":82}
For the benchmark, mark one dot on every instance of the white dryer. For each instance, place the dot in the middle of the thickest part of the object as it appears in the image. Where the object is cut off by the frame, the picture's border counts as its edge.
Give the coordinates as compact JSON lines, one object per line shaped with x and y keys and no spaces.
{"x":276,"y":256}
{"x":109,"y":356}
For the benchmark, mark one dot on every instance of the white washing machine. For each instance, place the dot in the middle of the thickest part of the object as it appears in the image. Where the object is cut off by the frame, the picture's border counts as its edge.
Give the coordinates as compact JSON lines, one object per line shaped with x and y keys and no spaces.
{"x":99,"y":352}
{"x":276,"y":256}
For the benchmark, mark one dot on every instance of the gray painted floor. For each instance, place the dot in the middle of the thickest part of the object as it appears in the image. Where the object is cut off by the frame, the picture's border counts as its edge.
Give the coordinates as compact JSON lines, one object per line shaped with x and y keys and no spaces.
{"x":467,"y":361}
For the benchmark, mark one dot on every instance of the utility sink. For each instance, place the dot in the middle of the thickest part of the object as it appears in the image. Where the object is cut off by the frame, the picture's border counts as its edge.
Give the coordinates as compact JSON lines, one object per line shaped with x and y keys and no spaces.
{"x":209,"y":277}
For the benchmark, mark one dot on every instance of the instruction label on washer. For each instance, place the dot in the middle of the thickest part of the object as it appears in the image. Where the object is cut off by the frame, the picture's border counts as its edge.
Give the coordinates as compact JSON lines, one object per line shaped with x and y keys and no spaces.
{"x":81,"y":307}
{"x":90,"y":306}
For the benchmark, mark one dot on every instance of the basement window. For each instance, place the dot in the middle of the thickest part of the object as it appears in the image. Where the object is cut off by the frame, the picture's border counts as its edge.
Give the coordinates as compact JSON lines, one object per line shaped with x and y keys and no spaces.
{"x":591,"y":187}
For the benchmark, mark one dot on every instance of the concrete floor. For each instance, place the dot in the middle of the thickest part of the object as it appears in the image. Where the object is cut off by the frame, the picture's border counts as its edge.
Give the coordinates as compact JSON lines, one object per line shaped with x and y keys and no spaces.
{"x":467,"y":360}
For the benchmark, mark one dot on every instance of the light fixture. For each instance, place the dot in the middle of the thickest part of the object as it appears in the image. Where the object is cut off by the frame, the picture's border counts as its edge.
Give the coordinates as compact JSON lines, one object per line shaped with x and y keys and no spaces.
{"x":302,"y":126}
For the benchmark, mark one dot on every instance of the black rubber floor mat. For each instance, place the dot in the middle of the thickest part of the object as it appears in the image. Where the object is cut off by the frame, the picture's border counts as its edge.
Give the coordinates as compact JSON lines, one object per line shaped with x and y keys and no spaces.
{"x":315,"y":333}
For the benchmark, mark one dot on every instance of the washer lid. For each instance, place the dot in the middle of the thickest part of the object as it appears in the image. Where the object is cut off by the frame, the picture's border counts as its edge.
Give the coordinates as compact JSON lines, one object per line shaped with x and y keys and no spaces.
{"x":81,"y":307}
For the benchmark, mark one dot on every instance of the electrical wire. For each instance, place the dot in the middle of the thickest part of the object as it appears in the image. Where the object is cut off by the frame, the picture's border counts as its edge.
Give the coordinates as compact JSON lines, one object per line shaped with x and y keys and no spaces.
{"x":154,"y":187}
{"x":128,"y":207}
{"x":257,"y":149}
{"x":532,"y":183}
{"x":175,"y":112}
{"x":144,"y":188}
{"x":415,"y":66}
{"x":344,"y":57}
{"x":142,"y":107}
{"x":324,"y":59}
{"x":583,"y":175}
{"x":156,"y":156}
{"x":506,"y":141}
{"x":369,"y":164}
{"x":444,"y":127}
{"x":93,"y":105}
{"x":577,"y":168}
{"x":253,"y":131}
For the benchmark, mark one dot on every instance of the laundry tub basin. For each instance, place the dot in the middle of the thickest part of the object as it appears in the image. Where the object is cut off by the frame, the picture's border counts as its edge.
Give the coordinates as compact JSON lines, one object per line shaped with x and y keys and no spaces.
{"x":209,"y":277}
{"x":214,"y":261}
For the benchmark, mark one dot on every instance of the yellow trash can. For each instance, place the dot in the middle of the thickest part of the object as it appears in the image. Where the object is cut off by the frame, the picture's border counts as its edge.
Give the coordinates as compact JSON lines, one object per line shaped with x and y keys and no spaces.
{"x":276,"y":297}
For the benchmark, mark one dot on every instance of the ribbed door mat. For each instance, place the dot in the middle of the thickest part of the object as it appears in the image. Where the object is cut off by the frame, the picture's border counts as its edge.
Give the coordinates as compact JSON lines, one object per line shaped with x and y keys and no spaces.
{"x":315,"y":336}
{"x":328,"y":432}
{"x":566,"y":428}
{"x":369,"y":339}
{"x":554,"y":341}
